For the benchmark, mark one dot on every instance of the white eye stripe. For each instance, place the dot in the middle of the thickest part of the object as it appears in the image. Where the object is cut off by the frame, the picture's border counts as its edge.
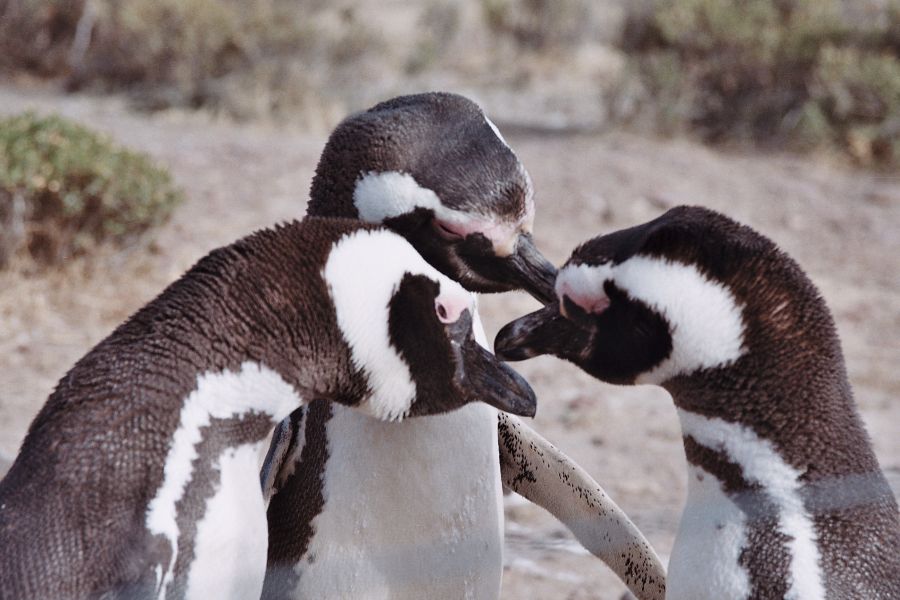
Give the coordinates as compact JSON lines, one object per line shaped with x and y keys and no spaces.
{"x":380,"y":196}
{"x":363,"y":272}
{"x":583,"y":280}
{"x":705,"y":320}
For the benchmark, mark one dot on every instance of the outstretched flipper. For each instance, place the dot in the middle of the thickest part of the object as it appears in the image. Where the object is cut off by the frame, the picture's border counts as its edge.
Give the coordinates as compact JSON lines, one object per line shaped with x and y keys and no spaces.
{"x":536,"y":469}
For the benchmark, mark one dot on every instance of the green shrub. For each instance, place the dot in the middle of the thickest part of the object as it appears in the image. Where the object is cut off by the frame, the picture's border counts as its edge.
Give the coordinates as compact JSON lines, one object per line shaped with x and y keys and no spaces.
{"x":787,"y":72}
{"x":63,"y":188}
{"x":859,"y":93}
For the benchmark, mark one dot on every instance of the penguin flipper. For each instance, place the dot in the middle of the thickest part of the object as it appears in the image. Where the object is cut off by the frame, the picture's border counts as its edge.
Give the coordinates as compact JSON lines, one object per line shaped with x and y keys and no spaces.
{"x":531,"y":466}
{"x":284,"y":442}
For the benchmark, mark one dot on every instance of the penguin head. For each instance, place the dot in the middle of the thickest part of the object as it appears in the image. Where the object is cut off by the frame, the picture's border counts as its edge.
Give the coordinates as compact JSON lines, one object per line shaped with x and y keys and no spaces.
{"x":676,"y":297}
{"x":433,"y":168}
{"x":410,"y":333}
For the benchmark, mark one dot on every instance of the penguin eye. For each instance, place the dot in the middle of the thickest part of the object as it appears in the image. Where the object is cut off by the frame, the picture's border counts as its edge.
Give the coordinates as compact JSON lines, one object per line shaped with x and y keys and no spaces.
{"x":447,"y":231}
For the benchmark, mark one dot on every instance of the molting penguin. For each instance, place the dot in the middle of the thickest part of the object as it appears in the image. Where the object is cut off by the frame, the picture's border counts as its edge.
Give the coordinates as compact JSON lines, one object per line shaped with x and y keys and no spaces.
{"x":433,"y":168}
{"x":139,"y":478}
{"x":785,"y":495}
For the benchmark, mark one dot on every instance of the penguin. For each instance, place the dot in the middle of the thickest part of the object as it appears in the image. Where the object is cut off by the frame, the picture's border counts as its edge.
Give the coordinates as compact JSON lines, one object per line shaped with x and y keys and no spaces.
{"x":785,"y":495}
{"x":435,"y":169}
{"x":139,"y":478}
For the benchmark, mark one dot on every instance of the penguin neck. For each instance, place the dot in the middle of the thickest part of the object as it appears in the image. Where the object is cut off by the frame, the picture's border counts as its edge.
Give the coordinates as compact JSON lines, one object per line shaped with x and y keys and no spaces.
{"x":804,"y":411}
{"x":755,"y":490}
{"x":789,"y":386}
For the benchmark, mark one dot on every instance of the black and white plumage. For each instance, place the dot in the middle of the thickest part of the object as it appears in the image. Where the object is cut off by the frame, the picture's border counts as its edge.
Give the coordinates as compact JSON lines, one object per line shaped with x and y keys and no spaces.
{"x":139,"y":476}
{"x":433,"y":168}
{"x":785,"y":495}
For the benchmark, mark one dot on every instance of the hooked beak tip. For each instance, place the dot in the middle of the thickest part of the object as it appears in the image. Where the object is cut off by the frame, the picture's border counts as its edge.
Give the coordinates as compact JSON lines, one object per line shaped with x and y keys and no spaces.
{"x":522,"y":403}
{"x":487,"y":379}
{"x":538,"y":275}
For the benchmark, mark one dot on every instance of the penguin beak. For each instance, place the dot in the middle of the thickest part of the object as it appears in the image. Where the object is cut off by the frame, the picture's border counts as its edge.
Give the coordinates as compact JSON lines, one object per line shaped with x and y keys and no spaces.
{"x":489,"y":380}
{"x":544,"y":331}
{"x":522,"y":268}
{"x":483,"y":377}
{"x":533,"y":272}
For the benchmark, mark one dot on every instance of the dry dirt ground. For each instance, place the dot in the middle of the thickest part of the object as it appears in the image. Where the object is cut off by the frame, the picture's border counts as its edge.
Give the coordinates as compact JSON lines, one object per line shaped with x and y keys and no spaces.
{"x":842,"y":225}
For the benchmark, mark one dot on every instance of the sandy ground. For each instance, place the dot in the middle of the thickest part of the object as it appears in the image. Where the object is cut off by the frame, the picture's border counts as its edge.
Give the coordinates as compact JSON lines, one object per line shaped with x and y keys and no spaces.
{"x":842,"y":225}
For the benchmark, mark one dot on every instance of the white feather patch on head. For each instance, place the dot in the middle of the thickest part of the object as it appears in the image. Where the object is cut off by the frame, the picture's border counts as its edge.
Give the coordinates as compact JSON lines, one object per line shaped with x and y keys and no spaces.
{"x":583,"y":284}
{"x":219,"y":395}
{"x":761,"y":463}
{"x":705,"y":319}
{"x":380,"y":196}
{"x":363,"y":271}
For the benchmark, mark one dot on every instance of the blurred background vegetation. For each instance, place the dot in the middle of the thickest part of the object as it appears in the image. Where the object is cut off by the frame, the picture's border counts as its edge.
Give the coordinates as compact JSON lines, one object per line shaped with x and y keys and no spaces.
{"x":799,"y":75}
{"x":64,"y":189}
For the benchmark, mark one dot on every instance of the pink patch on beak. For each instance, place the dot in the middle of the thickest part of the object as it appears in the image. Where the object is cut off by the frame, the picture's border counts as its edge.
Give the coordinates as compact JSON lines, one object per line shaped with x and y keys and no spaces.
{"x":449,"y":307}
{"x":590,"y":303}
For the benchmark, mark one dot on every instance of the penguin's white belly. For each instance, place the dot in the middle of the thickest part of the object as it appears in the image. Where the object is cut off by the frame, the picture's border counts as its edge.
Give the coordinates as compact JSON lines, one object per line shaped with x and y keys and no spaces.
{"x":232,"y":537}
{"x":412,"y":509}
{"x":711,"y":536}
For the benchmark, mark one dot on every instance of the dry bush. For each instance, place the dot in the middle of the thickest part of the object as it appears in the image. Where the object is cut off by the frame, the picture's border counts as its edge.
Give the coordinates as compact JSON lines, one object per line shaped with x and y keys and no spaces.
{"x":192,"y":52}
{"x":244,"y":58}
{"x":63,"y":188}
{"x":438,"y":25}
{"x":786,"y":72}
{"x":539,"y":24}
{"x":37,"y":35}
